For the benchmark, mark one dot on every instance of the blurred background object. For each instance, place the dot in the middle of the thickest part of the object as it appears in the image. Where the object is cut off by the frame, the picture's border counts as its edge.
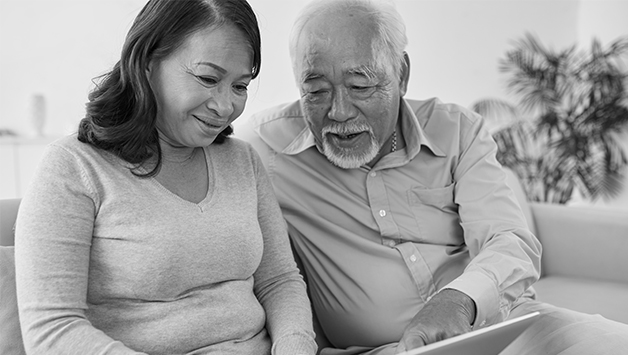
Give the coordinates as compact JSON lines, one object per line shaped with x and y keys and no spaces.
{"x":38,"y":114}
{"x":562,"y":135}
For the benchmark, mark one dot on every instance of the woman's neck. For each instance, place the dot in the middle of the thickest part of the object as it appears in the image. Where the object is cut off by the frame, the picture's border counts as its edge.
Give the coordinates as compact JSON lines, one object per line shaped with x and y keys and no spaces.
{"x":173,"y":153}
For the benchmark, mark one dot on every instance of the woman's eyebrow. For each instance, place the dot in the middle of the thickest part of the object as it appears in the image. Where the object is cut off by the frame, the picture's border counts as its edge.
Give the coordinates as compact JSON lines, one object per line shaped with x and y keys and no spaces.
{"x":221,"y":69}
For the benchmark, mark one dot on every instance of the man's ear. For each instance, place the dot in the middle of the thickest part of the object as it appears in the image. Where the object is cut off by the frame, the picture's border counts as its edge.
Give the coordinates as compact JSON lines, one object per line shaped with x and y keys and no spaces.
{"x":405,"y":74}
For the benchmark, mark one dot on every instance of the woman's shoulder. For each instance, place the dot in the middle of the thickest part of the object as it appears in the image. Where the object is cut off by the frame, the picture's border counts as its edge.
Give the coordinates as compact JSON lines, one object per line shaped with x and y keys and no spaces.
{"x":69,"y":150}
{"x":71,"y":144}
{"x":74,"y":146}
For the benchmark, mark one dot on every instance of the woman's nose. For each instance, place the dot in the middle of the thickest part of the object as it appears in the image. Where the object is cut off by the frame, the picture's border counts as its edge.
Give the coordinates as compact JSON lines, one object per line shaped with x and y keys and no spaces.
{"x":221,"y":101}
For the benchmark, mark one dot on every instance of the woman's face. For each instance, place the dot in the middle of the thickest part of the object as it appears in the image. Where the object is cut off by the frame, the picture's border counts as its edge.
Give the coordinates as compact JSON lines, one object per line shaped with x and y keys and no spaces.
{"x":201,"y":88}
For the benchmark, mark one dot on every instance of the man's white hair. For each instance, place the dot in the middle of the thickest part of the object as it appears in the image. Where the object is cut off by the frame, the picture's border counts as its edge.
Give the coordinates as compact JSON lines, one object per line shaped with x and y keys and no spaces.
{"x":388,"y":45}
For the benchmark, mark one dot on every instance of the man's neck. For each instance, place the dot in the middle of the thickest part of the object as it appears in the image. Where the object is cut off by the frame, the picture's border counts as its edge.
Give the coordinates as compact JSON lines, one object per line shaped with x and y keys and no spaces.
{"x":394,"y":140}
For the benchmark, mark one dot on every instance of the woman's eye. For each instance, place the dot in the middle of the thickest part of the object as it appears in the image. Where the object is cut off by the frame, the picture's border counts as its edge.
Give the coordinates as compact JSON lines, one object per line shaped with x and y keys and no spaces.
{"x":241,"y":88}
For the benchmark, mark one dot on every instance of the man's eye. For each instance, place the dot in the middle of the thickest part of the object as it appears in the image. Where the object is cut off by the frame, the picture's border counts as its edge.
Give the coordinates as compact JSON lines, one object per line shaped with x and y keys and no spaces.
{"x":361,"y":88}
{"x":316,"y":96}
{"x":207,"y":80}
{"x":318,"y":92}
{"x":362,"y":92}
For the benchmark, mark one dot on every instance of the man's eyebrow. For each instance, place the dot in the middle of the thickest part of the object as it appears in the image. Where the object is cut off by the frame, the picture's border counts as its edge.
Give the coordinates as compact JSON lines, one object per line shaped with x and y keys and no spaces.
{"x":221,"y":69}
{"x":364,"y":70}
{"x":309,"y":76}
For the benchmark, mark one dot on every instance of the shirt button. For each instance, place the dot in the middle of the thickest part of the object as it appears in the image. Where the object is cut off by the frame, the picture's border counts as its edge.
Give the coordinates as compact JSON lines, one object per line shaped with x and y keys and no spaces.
{"x":413,"y":258}
{"x":382,"y":213}
{"x":373,"y":174}
{"x":389,"y":243}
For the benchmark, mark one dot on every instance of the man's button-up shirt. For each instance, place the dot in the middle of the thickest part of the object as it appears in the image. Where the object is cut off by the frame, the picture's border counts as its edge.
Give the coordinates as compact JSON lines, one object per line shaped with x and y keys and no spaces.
{"x":376,"y":244}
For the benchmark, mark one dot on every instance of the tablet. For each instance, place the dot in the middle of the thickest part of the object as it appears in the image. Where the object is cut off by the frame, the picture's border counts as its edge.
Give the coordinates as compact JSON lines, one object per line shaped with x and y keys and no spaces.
{"x":485,"y":341}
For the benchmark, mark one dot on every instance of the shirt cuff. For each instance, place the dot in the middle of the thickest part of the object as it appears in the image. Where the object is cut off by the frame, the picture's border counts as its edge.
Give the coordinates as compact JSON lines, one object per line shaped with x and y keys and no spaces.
{"x":484,"y":293}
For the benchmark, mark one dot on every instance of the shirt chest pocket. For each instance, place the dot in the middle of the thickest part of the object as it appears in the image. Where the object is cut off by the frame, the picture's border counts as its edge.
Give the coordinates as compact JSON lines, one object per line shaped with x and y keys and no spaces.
{"x":436,"y":215}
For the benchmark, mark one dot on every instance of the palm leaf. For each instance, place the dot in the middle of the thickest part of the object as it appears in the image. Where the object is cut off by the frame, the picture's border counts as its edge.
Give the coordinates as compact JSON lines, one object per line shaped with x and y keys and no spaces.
{"x":577,"y":101}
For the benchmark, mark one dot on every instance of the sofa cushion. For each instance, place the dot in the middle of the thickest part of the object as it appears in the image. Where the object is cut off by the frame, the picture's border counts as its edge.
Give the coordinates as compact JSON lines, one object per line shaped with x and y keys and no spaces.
{"x":10,"y":334}
{"x":585,"y":295}
{"x":582,"y":242}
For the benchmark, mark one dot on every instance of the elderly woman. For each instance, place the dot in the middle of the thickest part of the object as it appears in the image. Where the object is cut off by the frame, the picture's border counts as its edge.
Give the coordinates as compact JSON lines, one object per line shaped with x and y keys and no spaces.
{"x":150,"y":230}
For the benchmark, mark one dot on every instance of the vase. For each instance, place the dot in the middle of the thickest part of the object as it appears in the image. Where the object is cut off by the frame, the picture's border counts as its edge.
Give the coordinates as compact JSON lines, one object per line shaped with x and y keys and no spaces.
{"x":38,"y":114}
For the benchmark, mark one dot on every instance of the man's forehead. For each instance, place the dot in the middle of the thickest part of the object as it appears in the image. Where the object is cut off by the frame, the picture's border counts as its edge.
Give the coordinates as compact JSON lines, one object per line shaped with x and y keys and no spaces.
{"x":313,"y":69}
{"x":315,"y":55}
{"x":339,"y":44}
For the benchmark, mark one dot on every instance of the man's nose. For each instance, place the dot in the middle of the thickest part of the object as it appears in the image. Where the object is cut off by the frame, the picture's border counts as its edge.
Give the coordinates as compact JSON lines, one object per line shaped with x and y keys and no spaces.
{"x":342,"y":108}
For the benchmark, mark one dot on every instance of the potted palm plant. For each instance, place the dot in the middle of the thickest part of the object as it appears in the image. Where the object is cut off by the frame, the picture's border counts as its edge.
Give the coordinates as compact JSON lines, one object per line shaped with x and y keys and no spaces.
{"x":561,"y":136}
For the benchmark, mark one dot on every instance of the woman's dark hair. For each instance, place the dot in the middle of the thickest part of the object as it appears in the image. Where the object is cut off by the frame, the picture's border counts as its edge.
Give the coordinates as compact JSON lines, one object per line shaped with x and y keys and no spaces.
{"x":121,"y":112}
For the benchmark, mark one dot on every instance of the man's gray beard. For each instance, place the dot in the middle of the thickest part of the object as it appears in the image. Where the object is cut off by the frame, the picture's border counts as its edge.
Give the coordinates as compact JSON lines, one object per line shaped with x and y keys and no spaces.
{"x":345,"y":159}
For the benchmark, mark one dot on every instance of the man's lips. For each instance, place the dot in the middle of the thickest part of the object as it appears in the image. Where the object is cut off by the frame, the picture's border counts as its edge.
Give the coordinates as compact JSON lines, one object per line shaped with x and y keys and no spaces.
{"x":347,"y":140}
{"x":347,"y":136}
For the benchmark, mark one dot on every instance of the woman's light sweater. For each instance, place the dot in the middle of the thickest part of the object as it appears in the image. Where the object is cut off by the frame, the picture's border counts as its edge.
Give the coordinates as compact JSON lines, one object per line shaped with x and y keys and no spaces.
{"x":110,"y":263}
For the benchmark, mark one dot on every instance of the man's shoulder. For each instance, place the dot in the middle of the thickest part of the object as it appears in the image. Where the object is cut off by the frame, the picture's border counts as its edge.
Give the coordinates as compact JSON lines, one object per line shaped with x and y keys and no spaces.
{"x":276,"y":127}
{"x":433,"y":111}
{"x":280,"y":113}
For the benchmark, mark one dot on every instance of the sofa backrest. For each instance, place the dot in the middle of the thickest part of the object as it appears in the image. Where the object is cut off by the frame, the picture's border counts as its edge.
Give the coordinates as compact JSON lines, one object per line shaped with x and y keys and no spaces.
{"x":8,"y":214}
{"x":10,"y":335}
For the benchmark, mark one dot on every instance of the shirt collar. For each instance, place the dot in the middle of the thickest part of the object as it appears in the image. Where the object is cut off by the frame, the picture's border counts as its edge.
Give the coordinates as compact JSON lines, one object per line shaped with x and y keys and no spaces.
{"x":413,"y":132}
{"x":298,"y":137}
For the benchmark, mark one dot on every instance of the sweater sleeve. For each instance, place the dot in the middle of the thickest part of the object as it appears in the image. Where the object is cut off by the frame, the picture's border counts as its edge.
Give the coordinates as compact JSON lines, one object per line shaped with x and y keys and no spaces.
{"x":278,"y":283}
{"x":52,"y":248}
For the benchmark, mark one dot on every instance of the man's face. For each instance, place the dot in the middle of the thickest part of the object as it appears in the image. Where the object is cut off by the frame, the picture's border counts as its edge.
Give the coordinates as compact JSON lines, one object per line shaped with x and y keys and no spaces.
{"x":350,"y":102}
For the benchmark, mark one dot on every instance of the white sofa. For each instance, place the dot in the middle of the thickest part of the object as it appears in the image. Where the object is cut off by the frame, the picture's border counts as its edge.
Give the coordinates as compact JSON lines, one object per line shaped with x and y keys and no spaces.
{"x":10,"y":335}
{"x":584,"y":266}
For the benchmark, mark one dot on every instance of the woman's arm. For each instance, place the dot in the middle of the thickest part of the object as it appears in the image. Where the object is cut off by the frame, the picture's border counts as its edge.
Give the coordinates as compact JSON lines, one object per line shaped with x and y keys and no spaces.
{"x":52,"y":247}
{"x":278,"y":284}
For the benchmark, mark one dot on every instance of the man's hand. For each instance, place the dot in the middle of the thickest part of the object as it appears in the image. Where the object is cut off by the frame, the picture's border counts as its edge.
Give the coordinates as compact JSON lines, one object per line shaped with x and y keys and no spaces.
{"x":449,"y":313}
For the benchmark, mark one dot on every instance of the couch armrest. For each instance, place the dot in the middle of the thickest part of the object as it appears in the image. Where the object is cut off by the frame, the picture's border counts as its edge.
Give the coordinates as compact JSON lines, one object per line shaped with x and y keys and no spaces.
{"x":582,"y":241}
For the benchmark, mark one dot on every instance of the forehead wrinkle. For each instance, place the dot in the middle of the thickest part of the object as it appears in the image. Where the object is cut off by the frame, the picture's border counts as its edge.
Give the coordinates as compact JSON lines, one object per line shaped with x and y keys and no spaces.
{"x":366,"y":71}
{"x":308,"y":50}
{"x":310,"y":43}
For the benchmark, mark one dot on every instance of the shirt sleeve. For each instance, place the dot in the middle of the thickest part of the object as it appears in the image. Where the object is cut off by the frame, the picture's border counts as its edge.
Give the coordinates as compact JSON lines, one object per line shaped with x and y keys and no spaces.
{"x":278,"y":284}
{"x":52,"y":248}
{"x":505,"y":255}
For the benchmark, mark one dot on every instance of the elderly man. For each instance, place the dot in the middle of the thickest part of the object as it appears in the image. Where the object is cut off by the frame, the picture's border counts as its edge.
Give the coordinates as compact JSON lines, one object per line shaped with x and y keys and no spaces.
{"x":397,"y":209}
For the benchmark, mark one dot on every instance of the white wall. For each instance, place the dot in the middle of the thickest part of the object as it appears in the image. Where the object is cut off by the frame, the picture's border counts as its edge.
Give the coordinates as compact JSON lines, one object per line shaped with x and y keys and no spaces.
{"x":604,"y":19}
{"x":56,"y":47}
